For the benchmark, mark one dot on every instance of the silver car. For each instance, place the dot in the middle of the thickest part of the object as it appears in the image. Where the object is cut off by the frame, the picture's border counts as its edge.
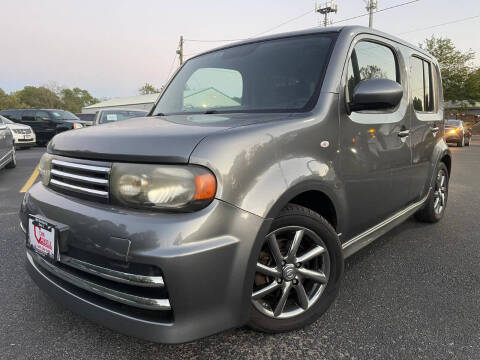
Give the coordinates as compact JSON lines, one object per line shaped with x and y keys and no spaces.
{"x":262,"y":166}
{"x":7,"y":149}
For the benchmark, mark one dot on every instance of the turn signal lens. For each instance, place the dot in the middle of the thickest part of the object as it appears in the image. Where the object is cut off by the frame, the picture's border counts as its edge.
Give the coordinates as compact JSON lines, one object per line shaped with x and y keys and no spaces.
{"x":206,"y":186}
{"x":77,"y":126}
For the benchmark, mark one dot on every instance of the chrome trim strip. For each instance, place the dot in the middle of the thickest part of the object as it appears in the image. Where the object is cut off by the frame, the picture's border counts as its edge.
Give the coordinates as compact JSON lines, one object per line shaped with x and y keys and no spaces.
{"x":10,"y":152}
{"x":360,"y":241}
{"x":117,"y":276}
{"x":79,"y":188}
{"x":22,"y":227}
{"x":128,"y":299}
{"x":79,"y":177}
{"x":100,"y":169}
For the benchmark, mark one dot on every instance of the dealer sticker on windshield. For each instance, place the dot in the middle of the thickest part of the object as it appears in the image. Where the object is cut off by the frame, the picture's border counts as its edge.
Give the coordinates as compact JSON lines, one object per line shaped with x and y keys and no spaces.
{"x":41,"y":236}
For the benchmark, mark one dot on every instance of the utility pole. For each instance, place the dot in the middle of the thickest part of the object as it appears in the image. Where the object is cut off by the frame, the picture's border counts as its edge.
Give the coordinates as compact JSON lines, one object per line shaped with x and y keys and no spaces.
{"x":180,"y":50}
{"x":371,"y":6}
{"x":329,"y":7}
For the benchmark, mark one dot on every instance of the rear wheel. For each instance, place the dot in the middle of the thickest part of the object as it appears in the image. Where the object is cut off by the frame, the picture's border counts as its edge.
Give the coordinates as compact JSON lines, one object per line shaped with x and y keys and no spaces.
{"x":298,"y":271}
{"x":461,"y":143}
{"x":437,"y":201}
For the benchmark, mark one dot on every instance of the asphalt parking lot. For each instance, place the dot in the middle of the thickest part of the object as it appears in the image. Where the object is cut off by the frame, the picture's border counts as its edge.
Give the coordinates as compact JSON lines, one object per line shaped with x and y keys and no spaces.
{"x":413,"y":294}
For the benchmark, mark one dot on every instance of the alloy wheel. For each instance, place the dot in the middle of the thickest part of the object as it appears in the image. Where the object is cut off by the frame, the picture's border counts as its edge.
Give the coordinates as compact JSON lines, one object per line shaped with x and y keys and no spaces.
{"x":292,"y":272}
{"x":440,"y":193}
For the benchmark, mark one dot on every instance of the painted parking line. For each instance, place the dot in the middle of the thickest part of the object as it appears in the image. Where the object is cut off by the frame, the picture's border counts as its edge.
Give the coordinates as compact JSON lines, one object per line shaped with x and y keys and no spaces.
{"x":30,"y":181}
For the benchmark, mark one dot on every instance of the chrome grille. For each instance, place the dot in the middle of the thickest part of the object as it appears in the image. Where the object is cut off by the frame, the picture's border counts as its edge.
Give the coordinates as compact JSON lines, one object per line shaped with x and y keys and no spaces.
{"x":22,"y":131}
{"x":132,"y":294}
{"x":86,"y":179}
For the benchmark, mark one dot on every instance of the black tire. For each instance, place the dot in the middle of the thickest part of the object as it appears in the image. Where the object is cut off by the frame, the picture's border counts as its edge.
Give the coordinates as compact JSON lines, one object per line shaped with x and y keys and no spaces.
{"x":428,"y":213}
{"x":12,"y":164}
{"x":468,"y":143}
{"x":295,"y":215}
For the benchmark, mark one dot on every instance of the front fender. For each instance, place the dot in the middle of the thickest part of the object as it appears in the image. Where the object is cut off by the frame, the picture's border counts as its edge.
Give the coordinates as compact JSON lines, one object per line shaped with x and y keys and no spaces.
{"x":261,"y":167}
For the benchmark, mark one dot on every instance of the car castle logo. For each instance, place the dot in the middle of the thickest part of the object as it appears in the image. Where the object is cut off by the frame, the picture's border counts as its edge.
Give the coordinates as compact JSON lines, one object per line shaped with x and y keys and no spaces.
{"x":40,"y":237}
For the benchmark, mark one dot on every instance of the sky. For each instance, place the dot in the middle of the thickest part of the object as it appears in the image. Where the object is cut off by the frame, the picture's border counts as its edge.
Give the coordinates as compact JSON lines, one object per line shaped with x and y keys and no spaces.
{"x":113,"y":47}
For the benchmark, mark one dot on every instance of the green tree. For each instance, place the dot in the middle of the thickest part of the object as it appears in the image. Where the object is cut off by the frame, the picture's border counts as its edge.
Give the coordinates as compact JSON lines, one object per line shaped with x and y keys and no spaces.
{"x":148,"y":89}
{"x":75,"y":99}
{"x":10,"y":101}
{"x":39,"y":97}
{"x":456,"y":67}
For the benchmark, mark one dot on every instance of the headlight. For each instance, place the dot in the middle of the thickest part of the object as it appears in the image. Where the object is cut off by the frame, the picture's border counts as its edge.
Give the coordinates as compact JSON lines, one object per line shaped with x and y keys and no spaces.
{"x":77,"y":126}
{"x":16,"y":131}
{"x":162,"y":186}
{"x":44,"y":168}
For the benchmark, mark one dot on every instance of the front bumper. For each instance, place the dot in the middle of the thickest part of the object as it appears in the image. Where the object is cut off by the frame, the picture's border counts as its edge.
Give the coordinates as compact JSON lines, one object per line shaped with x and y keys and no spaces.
{"x":20,"y":141}
{"x":205,"y":259}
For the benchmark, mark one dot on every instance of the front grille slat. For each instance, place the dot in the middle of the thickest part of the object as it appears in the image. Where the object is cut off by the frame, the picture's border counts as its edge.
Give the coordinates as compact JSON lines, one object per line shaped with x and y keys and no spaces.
{"x":81,"y":178}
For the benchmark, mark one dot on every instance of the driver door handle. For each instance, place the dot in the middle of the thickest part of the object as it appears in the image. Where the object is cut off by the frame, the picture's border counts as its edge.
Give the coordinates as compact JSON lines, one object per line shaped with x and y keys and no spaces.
{"x":404,"y":133}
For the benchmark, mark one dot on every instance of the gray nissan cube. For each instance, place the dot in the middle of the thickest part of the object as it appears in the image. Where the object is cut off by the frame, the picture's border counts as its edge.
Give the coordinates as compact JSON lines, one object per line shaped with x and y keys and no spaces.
{"x":262,"y":166}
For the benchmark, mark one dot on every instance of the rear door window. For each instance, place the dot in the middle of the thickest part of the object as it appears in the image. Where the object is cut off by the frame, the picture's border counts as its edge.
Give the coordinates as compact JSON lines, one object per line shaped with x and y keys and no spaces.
{"x":421,"y":83}
{"x":28,"y":115}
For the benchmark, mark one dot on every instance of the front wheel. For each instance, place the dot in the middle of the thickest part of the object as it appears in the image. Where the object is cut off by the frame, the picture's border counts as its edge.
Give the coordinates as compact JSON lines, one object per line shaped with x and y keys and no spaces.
{"x":437,"y":200}
{"x":298,"y":271}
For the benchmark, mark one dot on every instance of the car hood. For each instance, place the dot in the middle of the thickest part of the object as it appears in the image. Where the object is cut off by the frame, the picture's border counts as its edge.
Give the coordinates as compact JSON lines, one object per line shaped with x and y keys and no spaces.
{"x":18,"y":126}
{"x":165,"y":139}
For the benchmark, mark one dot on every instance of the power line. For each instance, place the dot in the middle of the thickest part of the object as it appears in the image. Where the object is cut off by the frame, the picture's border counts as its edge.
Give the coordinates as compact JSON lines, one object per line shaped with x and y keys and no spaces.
{"x":377,"y":11}
{"x":284,"y":23}
{"x":171,"y":68}
{"x":446,"y":23}
{"x":261,"y":33}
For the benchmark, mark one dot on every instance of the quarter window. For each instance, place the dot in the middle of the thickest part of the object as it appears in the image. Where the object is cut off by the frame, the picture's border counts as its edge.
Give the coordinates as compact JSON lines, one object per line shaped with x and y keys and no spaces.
{"x":370,"y":60}
{"x":422,"y":85}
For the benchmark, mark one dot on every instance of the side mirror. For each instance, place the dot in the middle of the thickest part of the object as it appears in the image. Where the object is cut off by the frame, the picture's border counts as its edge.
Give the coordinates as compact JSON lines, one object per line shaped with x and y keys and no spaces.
{"x":376,"y":94}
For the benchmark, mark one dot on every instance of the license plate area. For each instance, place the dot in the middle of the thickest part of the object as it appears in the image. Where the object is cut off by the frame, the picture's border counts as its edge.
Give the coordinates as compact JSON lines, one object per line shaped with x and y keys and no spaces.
{"x":42,"y":237}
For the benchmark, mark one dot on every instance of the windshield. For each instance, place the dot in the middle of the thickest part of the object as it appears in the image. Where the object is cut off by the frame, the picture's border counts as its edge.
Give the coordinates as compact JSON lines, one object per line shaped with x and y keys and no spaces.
{"x":64,"y":115}
{"x":453,"y":122}
{"x":6,"y":121}
{"x":118,"y":115}
{"x":282,"y":75}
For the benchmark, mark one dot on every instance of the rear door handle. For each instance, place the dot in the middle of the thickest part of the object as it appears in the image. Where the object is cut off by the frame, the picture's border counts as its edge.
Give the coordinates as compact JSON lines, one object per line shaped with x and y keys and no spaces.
{"x":404,"y":133}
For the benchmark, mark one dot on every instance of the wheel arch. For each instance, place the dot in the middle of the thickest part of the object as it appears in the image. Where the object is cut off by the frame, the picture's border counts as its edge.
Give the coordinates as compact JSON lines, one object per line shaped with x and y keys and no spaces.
{"x":315,"y":196}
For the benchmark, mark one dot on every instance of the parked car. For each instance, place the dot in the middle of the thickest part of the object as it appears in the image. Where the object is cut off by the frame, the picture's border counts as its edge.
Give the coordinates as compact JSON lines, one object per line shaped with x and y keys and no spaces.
{"x":7,"y":148}
{"x":262,"y":166}
{"x":46,"y":123}
{"x":88,"y":118}
{"x":23,"y":135}
{"x":106,"y":116}
{"x":456,"y":132}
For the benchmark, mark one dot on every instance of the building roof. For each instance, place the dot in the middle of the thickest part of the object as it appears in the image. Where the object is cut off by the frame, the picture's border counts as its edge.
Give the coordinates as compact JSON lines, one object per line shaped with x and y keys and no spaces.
{"x":131,"y":100}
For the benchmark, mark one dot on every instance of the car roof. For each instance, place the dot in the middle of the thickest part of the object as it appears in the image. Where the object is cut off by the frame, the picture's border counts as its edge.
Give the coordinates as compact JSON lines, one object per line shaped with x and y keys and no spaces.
{"x":354,"y":29}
